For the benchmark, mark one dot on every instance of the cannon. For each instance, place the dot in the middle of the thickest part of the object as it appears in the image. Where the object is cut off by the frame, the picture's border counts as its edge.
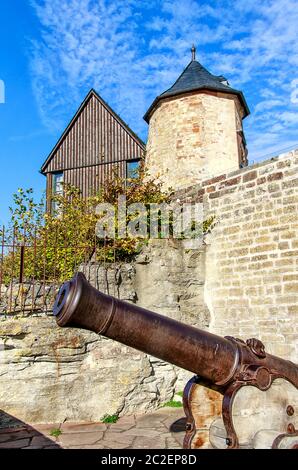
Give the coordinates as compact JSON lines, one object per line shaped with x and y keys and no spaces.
{"x":231,"y":369}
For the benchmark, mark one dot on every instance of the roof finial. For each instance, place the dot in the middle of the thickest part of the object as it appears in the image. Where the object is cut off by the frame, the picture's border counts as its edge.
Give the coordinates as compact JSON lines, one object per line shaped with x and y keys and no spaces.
{"x":193,"y":52}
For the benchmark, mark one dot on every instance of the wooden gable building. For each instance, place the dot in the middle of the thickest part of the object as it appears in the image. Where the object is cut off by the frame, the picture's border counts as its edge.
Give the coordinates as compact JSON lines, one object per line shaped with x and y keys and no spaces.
{"x":95,"y":143}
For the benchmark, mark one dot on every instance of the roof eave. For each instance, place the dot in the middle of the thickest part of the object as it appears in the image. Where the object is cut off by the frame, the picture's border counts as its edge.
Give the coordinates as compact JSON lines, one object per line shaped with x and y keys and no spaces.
{"x":146,"y":116}
{"x":238,"y":93}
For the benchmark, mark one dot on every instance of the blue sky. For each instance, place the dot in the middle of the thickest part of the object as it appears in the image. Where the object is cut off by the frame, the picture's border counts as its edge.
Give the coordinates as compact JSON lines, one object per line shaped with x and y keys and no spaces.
{"x":53,"y":51}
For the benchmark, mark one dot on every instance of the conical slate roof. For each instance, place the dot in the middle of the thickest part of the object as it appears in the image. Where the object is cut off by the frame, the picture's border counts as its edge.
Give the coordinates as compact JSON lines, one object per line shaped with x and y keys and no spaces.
{"x":196,"y":77}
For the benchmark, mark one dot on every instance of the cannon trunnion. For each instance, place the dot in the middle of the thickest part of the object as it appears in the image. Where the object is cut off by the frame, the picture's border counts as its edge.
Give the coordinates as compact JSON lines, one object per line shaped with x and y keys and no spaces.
{"x":233,"y":370}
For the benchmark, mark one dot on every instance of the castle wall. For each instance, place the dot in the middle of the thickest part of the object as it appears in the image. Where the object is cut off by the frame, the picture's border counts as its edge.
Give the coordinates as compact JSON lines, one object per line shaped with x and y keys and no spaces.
{"x":251,"y":281}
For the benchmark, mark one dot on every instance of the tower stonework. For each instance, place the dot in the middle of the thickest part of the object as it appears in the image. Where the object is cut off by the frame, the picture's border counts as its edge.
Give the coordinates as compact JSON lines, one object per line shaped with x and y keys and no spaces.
{"x":195,"y":129}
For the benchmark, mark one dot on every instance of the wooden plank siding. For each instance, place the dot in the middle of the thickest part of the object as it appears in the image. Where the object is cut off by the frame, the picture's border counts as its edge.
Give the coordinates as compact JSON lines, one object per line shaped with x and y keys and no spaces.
{"x":95,"y":143}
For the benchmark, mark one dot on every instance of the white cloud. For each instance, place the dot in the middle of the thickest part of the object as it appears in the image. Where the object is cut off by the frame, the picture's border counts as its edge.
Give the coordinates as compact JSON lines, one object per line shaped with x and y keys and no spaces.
{"x":132,"y":51}
{"x":267,"y":104}
{"x":289,"y":117}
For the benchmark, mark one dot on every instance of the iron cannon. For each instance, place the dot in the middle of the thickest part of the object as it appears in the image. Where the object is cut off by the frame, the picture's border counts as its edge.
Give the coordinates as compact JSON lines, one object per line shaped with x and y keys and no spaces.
{"x":235,"y":372}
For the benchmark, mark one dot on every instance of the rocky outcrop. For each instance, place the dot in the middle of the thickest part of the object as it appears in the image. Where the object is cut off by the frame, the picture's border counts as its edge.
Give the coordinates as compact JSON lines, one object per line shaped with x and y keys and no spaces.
{"x":52,"y":374}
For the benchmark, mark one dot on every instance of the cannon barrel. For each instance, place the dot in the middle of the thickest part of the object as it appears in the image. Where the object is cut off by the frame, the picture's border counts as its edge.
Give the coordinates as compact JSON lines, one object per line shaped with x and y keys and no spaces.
{"x":218,"y":360}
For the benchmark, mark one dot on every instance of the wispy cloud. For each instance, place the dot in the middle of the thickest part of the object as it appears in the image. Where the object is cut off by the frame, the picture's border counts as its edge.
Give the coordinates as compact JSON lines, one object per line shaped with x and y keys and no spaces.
{"x":132,"y":51}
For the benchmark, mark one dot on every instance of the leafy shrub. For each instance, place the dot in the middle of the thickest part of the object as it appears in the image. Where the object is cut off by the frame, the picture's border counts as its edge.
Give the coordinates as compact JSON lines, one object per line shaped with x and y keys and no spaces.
{"x":57,"y":242}
{"x":55,"y":432}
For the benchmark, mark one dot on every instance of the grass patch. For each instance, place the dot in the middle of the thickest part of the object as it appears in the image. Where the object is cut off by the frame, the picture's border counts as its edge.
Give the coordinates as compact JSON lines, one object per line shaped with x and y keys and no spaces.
{"x":180,"y":394}
{"x":173,"y":404}
{"x":55,"y":432}
{"x":109,"y":418}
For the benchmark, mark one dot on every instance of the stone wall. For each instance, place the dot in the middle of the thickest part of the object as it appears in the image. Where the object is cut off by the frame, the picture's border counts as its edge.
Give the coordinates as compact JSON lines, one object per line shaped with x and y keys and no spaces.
{"x":50,"y":374}
{"x":193,"y":137}
{"x":27,"y":298}
{"x":251,"y":284}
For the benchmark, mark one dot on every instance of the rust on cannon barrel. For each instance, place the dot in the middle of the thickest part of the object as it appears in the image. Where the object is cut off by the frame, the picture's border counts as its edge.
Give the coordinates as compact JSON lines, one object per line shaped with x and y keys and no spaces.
{"x":78,"y":304}
{"x":218,"y":360}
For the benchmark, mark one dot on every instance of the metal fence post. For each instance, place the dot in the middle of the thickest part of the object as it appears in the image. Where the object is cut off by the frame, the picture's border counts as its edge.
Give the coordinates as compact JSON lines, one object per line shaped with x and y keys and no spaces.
{"x":22,"y":257}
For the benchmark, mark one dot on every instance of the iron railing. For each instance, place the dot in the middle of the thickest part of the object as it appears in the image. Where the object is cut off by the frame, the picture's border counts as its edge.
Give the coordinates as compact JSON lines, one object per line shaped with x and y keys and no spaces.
{"x":31,"y":269}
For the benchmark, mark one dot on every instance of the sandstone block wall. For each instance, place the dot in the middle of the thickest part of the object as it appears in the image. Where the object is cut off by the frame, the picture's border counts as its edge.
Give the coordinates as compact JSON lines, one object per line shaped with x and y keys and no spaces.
{"x":192,"y":138}
{"x":251,"y":284}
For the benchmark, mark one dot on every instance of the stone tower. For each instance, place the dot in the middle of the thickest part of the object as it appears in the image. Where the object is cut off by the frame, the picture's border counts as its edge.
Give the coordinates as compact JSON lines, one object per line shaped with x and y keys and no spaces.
{"x":195,"y":129}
